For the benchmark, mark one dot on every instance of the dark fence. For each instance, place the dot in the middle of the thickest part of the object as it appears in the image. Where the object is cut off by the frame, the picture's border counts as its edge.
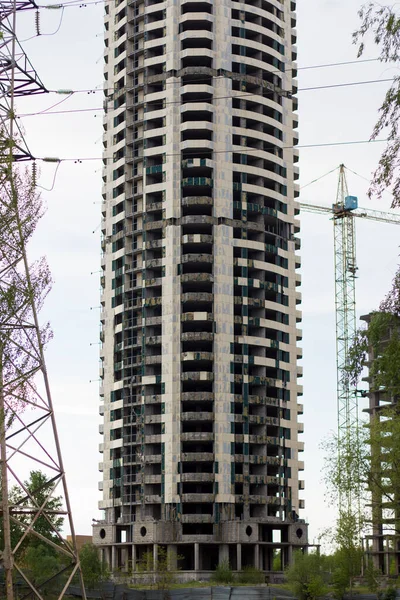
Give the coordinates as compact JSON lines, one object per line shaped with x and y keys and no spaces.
{"x":110,"y":591}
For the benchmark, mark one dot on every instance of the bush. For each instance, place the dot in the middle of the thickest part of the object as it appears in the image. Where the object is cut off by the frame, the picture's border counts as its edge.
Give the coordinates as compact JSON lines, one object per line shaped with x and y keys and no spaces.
{"x":390,"y":593}
{"x":251,"y":575}
{"x":305,"y":576}
{"x":223,"y":573}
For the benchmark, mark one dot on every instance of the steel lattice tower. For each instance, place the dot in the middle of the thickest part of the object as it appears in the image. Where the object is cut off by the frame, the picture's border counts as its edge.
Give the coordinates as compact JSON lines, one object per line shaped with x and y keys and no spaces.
{"x":345,"y":304}
{"x":28,"y":433}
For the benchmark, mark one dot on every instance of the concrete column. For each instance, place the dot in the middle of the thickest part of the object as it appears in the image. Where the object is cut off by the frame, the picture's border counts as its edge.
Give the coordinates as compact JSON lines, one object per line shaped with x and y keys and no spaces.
{"x":124,"y":559}
{"x":223,"y":553}
{"x":256,"y":556}
{"x":197,"y":557}
{"x":387,"y":557}
{"x":172,"y":557}
{"x":113,"y":558}
{"x":155,"y":561}
{"x":239,"y":556}
{"x":290,"y":555}
{"x":133,"y":558}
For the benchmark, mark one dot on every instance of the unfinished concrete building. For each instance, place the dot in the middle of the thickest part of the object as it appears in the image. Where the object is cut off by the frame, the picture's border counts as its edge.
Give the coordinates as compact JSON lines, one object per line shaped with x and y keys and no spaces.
{"x":199,"y":307}
{"x":383,"y":544}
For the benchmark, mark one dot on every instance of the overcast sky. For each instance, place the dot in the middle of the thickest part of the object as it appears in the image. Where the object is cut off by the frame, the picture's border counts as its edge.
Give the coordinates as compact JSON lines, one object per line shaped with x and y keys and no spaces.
{"x":73,"y":59}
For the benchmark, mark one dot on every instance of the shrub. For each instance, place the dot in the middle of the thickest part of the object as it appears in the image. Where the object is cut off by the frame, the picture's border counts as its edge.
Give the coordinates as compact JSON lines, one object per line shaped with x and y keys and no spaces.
{"x":390,"y":593}
{"x":223,"y":573}
{"x":251,"y":575}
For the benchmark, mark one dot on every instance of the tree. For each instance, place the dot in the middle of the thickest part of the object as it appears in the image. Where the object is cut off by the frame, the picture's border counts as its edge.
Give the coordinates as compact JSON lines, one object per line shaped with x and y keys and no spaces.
{"x":42,"y":564}
{"x":372,"y":577}
{"x":383,"y":22}
{"x":305,"y":576}
{"x":39,"y":486}
{"x":93,"y":570}
{"x":165,"y":567}
{"x":348,"y":556}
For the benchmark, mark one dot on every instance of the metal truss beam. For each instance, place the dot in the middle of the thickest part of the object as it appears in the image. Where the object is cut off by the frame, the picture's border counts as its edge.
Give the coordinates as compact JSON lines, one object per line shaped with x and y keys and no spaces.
{"x":29,"y":441}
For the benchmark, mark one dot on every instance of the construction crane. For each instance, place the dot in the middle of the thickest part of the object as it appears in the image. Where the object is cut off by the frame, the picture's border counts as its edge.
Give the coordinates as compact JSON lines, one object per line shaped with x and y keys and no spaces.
{"x":343,"y":213}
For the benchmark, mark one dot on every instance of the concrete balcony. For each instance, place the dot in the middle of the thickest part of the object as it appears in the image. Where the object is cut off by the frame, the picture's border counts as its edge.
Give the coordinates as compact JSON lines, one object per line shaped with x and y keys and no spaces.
{"x":201,"y":220}
{"x":197,"y":316}
{"x":197,"y":277}
{"x":197,"y":238}
{"x":196,"y":436}
{"x":150,"y":419}
{"x":197,"y":457}
{"x":198,"y":498}
{"x":152,"y":439}
{"x":263,"y":400}
{"x":197,"y":477}
{"x":196,"y":356}
{"x":152,"y":478}
{"x":197,"y":297}
{"x":197,"y":336}
{"x":197,"y":376}
{"x":197,"y":518}
{"x":153,"y":360}
{"x":197,"y":416}
{"x":152,"y":458}
{"x":197,"y":258}
{"x":154,"y":340}
{"x":197,"y":201}
{"x":197,"y":397}
{"x":153,"y":499}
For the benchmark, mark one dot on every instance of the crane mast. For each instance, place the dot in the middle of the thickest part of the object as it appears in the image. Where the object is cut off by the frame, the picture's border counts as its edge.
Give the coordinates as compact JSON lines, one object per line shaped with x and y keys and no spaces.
{"x":343,"y":214}
{"x":345,"y":310}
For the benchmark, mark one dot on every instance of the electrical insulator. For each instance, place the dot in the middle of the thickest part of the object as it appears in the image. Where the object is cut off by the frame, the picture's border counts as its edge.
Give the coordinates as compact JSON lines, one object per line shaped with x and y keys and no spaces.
{"x":37,"y":22}
{"x":34,"y":174}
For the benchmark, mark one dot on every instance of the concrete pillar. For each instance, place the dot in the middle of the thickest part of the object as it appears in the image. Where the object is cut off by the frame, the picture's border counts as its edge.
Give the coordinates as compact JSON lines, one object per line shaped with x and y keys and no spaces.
{"x":239,"y":556}
{"x":113,"y":559}
{"x":223,"y":553}
{"x":256,"y":556}
{"x":197,"y":557}
{"x":155,"y":556}
{"x":172,"y":557}
{"x":133,"y":558}
{"x":290,"y":555}
{"x":387,"y":557}
{"x":124,"y":559}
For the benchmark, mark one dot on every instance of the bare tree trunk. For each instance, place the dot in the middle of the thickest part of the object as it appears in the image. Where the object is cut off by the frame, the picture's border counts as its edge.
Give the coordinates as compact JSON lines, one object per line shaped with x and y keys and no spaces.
{"x":7,"y":553}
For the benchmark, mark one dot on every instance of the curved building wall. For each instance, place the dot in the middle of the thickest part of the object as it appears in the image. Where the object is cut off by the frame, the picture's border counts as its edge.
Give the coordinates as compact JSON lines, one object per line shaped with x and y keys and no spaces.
{"x":199,"y":303}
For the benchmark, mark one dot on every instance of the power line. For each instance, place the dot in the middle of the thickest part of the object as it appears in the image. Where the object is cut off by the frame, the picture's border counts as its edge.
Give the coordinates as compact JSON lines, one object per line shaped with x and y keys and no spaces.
{"x":319,"y":178}
{"x":100,"y":108}
{"x":242,"y":150}
{"x":321,"y":66}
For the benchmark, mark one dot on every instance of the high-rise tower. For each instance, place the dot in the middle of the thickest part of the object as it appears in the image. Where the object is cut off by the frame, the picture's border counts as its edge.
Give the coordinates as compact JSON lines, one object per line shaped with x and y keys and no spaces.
{"x":199,"y":303}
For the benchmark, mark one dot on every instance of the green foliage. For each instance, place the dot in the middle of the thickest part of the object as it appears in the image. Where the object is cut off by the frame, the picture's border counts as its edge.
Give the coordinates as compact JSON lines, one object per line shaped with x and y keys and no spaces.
{"x":39,"y":486}
{"x":251,"y":575}
{"x":348,"y":556}
{"x":277,"y":561}
{"x":346,"y":465}
{"x":372,"y":577}
{"x":305,"y":576}
{"x":384,"y":24}
{"x":165,"y":568}
{"x":223,"y":573}
{"x":42,"y":563}
{"x":93,"y":570}
{"x":390,"y":593}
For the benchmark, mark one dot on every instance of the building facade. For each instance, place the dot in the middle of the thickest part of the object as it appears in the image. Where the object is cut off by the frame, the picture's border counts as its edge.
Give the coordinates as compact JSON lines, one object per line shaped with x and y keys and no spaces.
{"x":382,"y":545}
{"x":199,"y":307}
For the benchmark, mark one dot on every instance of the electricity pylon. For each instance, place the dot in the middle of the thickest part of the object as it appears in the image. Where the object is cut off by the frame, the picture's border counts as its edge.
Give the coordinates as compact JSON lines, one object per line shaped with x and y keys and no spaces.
{"x":28,"y":434}
{"x":343,"y":213}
